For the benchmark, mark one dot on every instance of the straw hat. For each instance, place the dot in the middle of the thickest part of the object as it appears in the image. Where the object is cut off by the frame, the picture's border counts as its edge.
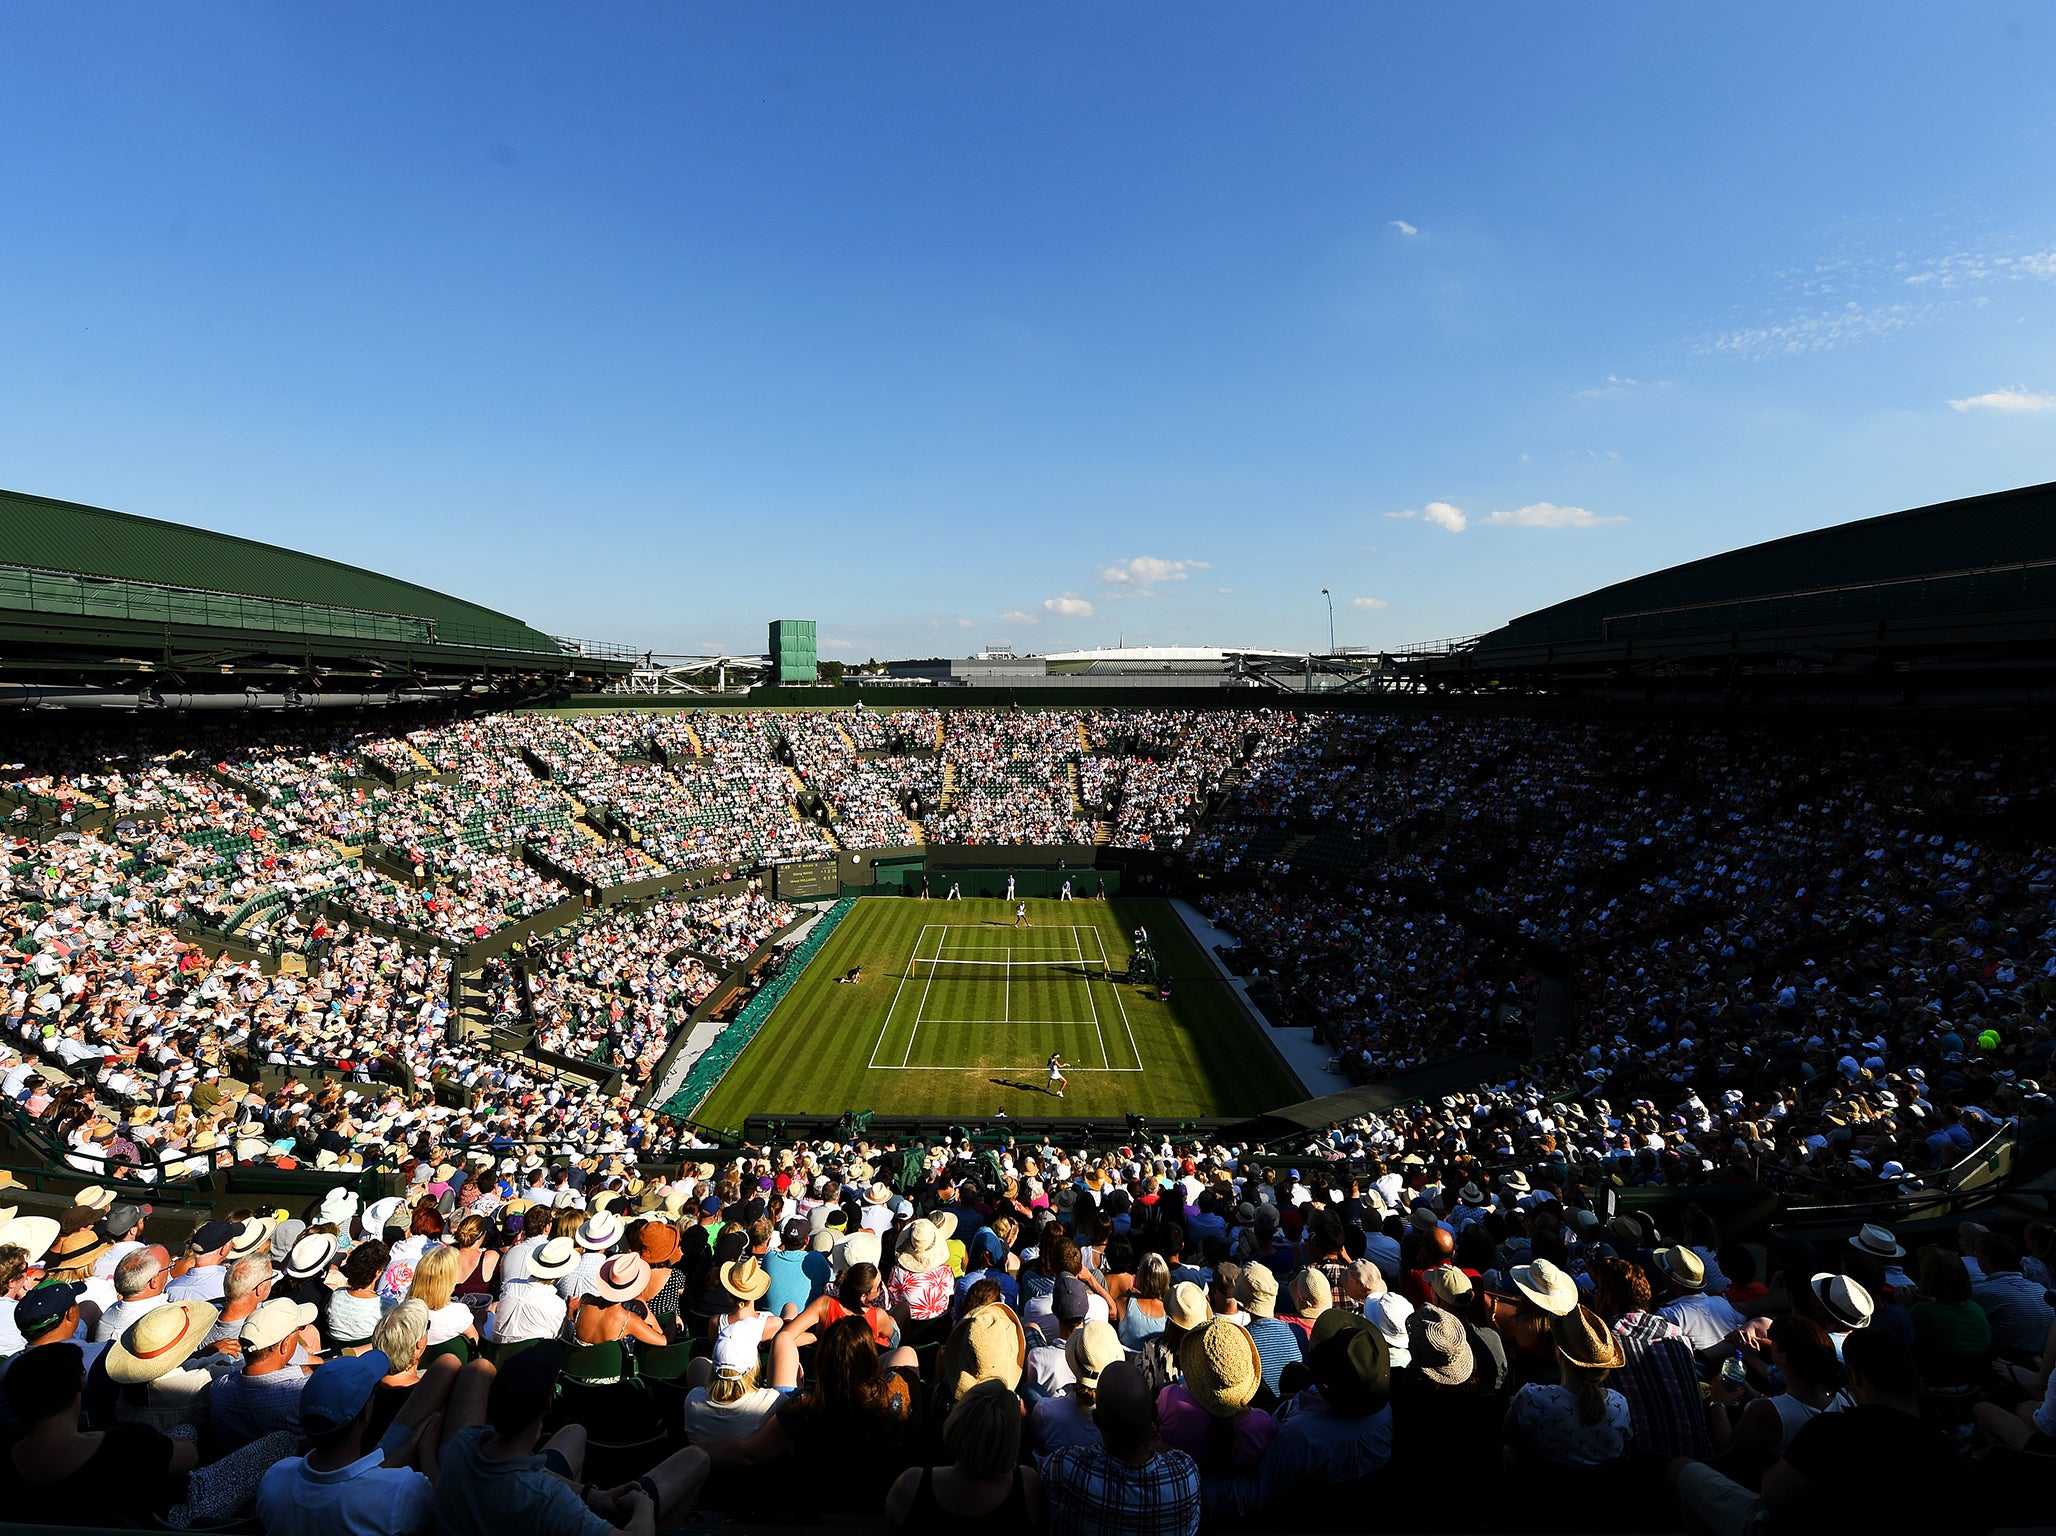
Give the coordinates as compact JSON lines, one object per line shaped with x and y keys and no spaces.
{"x":553,"y":1260}
{"x":1091,"y":1348}
{"x":1546,"y":1286}
{"x":35,"y":1234}
{"x":746,"y":1278}
{"x":988,"y":1345}
{"x":159,"y":1341}
{"x":1441,"y":1349}
{"x":310,"y":1255}
{"x":857,"y":1248}
{"x":1221,"y":1367}
{"x":877,"y":1194}
{"x":94,"y":1198}
{"x":1845,"y":1301}
{"x":1311,"y":1294}
{"x":1186,"y":1306}
{"x":1583,"y":1340}
{"x":1879,"y":1242}
{"x":921,"y":1247}
{"x":599,"y":1232}
{"x":1685,"y":1269}
{"x":623,"y":1277}
{"x":254,"y":1238}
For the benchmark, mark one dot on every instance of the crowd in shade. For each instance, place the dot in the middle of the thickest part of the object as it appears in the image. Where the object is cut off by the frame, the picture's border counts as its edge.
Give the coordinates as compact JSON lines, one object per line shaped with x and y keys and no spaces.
{"x":1822,"y":964}
{"x":1156,"y":1338}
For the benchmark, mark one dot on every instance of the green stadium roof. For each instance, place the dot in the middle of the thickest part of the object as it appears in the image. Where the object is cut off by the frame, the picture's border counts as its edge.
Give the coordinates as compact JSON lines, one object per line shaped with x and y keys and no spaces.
{"x":92,"y":541}
{"x":1982,"y":554}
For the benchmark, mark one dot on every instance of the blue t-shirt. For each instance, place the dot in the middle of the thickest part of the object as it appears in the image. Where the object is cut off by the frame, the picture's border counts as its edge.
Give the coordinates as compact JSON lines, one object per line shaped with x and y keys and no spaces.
{"x":797,"y":1276}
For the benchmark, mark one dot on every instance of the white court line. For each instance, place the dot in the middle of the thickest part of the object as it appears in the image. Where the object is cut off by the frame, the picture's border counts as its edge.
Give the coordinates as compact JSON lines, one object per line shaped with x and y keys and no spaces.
{"x":1119,"y":1002}
{"x":882,"y":1028}
{"x":1103,"y":1056}
{"x":1033,"y":1066}
{"x":1006,"y":994}
{"x":918,"y":1010}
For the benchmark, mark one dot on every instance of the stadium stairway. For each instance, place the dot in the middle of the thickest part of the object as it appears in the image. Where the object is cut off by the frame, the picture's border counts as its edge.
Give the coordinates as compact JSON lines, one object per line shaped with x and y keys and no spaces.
{"x":949,"y":781}
{"x":1077,"y":786}
{"x":1084,"y":737}
{"x":938,"y":730}
{"x":1102,"y":833}
{"x":699,"y":748}
{"x":917,"y":833}
{"x":847,"y":739}
{"x":472,"y":1011}
{"x":415,"y":753}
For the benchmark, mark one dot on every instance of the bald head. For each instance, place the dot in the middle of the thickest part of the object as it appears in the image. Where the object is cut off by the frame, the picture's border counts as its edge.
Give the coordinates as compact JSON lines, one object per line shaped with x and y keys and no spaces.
{"x":1437,"y":1247}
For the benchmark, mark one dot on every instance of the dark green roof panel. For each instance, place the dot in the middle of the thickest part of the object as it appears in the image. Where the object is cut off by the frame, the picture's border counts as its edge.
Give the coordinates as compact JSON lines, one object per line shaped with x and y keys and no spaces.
{"x":65,"y":536}
{"x":1927,"y":546}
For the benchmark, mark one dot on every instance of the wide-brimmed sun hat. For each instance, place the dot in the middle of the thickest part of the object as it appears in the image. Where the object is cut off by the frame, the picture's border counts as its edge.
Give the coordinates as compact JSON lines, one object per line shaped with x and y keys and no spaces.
{"x":159,"y":1341}
{"x":32,"y":1234}
{"x":1441,"y":1349}
{"x":623,"y":1277}
{"x":746,"y":1278}
{"x":599,"y":1232}
{"x":1546,"y":1286}
{"x":1221,"y":1367}
{"x":921,"y":1247}
{"x":1091,"y":1348}
{"x":310,"y":1255}
{"x":989,"y":1344}
{"x":1186,"y":1307}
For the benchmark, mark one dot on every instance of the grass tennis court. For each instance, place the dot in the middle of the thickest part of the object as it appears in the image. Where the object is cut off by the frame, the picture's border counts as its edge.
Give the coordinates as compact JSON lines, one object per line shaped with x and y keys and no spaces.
{"x":957,"y":1012}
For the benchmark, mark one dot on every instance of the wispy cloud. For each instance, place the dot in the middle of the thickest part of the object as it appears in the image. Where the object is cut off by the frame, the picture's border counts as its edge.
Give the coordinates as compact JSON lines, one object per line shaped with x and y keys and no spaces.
{"x":1145,"y":571}
{"x":1547,"y":514}
{"x":965,"y":624}
{"x":1369,"y":604}
{"x":1069,"y":606}
{"x":1224,"y":591}
{"x":1440,"y":513}
{"x":1822,"y":331}
{"x":1018,"y":616}
{"x":1405,"y":228}
{"x":1619,"y":385}
{"x":2011,"y":401}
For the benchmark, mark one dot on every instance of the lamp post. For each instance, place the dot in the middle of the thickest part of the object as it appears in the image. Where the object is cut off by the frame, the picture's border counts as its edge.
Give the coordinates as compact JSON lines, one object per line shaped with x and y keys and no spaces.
{"x":1331,"y":619}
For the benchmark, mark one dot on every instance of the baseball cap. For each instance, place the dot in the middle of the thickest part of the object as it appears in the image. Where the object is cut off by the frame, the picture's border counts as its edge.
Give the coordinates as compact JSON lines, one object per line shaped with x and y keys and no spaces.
{"x":211,"y":1235}
{"x":711,"y":1206}
{"x":1071,"y":1301}
{"x":121,"y":1220}
{"x":337,"y":1392}
{"x":38,"y":1311}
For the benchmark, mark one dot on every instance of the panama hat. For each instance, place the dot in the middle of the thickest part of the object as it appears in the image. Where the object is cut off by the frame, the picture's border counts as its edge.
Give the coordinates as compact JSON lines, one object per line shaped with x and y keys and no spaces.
{"x":1514,"y":1180}
{"x":1091,"y":1348}
{"x":1546,"y":1286}
{"x":553,"y":1260}
{"x":310,"y":1255}
{"x":1845,"y":1301}
{"x":253,"y":1239}
{"x":746,"y":1278}
{"x":1583,"y":1340}
{"x":1440,"y":1347}
{"x":921,"y":1247}
{"x":599,"y":1232}
{"x":1221,"y":1367}
{"x":1879,"y":1242}
{"x":877,"y":1194}
{"x":94,"y":1198}
{"x":34,"y":1234}
{"x":1186,"y":1306}
{"x":1685,"y":1268}
{"x":988,"y":1345}
{"x":623,"y":1277}
{"x":159,"y":1341}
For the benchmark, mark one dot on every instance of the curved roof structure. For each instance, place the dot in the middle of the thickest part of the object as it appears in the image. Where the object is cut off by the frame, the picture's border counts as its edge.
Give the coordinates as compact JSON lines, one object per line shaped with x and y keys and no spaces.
{"x":51,"y":535}
{"x":1982,"y":554}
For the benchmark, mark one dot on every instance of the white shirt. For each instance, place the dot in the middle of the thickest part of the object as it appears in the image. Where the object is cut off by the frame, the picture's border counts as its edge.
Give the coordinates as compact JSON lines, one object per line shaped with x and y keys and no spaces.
{"x":528,"y":1309}
{"x":1704,"y":1320}
{"x":115,"y":1320}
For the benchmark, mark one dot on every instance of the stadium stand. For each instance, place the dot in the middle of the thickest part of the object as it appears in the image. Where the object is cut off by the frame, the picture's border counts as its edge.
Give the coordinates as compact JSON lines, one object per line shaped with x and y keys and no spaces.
{"x":1742,"y":1234}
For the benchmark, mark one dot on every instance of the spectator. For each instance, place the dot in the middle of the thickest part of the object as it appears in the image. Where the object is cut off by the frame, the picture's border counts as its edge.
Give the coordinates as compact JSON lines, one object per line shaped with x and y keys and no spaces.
{"x":1123,"y":1486}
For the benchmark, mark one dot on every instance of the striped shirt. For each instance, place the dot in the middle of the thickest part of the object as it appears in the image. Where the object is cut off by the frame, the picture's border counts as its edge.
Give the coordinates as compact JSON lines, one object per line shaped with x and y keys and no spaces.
{"x":1661,"y":1383}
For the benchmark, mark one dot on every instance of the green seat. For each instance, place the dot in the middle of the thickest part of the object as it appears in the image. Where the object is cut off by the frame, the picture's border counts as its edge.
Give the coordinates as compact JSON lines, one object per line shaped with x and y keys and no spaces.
{"x":663,"y":1362}
{"x":458,"y":1349}
{"x":502,"y":1353}
{"x":597,"y":1362}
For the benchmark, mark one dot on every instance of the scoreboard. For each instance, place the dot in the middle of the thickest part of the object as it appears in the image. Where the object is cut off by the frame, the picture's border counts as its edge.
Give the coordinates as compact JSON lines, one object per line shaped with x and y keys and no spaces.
{"x":808,"y":882}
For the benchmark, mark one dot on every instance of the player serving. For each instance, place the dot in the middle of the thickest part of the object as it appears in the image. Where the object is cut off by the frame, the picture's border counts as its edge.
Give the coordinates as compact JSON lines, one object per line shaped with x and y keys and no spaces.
{"x":1057,"y":1081}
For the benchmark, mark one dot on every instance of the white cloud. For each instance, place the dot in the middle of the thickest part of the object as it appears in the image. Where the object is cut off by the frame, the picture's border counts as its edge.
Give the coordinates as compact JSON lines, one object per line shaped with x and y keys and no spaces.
{"x":1440,"y":513}
{"x":965,"y":624}
{"x":1618,"y":385}
{"x":1018,"y":616}
{"x":1547,"y":514}
{"x":838,"y":645}
{"x":1224,"y":591}
{"x":1069,"y":606}
{"x":1369,"y":604}
{"x":1405,"y":228}
{"x":1147,"y":571}
{"x":2012,"y":401}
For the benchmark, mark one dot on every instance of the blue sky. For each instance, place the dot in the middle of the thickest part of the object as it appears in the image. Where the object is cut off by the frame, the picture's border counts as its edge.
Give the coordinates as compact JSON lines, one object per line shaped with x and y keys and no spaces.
{"x":946,"y":323}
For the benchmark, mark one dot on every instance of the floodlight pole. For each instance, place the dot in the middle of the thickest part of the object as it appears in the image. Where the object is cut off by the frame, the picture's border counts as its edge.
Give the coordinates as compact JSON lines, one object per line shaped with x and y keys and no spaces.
{"x":1331,"y":619}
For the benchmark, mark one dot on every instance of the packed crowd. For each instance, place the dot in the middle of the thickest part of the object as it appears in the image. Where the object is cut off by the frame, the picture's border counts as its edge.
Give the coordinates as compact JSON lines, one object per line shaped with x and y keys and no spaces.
{"x":1018,"y":1337}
